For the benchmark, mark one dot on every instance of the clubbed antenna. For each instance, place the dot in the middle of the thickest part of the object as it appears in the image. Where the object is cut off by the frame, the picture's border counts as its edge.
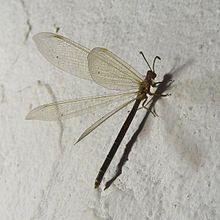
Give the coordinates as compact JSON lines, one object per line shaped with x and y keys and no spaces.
{"x":146,"y":60}
{"x":155,"y":60}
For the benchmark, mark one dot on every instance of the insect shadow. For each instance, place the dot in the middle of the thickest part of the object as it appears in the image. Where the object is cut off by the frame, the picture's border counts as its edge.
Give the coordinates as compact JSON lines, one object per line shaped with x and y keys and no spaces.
{"x":168,"y":79}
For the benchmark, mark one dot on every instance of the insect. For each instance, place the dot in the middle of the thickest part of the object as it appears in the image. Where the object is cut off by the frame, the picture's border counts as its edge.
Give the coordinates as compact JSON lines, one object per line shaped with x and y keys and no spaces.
{"x":105,"y":69}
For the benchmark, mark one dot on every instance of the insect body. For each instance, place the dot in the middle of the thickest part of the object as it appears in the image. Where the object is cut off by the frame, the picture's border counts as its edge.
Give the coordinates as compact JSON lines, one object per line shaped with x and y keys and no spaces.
{"x":105,"y":69}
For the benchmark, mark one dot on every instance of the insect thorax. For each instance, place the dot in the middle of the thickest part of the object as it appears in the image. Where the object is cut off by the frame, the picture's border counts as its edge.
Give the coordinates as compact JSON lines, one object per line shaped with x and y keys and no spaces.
{"x":144,"y":89}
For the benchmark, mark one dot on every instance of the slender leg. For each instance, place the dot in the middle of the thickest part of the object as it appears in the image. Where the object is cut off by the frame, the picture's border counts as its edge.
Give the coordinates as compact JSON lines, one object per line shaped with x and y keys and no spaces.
{"x":152,"y":112}
{"x":145,"y":106}
{"x":158,"y":83}
{"x":159,"y":95}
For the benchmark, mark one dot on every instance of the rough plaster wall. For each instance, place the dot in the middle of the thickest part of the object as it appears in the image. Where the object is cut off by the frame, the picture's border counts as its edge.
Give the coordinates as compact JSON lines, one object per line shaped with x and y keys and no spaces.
{"x":174,"y":169}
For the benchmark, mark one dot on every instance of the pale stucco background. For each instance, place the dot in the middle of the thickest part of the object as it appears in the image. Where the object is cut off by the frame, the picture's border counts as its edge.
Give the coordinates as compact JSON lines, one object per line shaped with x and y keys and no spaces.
{"x":173,"y":170}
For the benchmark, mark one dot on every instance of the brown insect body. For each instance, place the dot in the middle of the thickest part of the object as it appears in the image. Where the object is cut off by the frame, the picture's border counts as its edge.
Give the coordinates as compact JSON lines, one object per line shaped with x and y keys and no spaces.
{"x":145,"y":86}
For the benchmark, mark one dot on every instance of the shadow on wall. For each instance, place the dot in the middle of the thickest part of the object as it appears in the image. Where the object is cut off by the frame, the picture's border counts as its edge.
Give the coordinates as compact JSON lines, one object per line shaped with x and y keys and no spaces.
{"x":183,"y":134}
{"x":178,"y":133}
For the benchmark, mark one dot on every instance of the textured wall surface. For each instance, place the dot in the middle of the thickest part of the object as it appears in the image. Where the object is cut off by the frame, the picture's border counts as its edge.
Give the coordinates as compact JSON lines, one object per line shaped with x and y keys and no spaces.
{"x":173,"y":170}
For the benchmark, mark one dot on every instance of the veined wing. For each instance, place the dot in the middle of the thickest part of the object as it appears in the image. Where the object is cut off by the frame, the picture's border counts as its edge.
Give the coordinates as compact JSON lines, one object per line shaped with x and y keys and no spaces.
{"x":109,"y":71}
{"x":99,"y":64}
{"x":103,"y":119}
{"x":64,"y":53}
{"x":74,"y":107}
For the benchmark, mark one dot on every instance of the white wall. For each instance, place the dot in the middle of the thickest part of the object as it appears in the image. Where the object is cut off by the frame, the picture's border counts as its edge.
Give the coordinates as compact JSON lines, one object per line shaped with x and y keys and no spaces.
{"x":173,"y":170}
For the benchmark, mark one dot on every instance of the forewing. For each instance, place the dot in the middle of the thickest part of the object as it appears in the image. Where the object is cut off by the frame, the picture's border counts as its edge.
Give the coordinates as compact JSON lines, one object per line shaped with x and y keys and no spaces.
{"x":74,"y":107}
{"x":63,"y":53}
{"x":103,"y":119}
{"x":109,"y":71}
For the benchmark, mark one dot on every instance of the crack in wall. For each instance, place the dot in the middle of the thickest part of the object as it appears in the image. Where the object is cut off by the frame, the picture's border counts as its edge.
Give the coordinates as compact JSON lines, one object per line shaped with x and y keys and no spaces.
{"x":26,"y":11}
{"x":2,"y":94}
{"x":60,"y":123}
{"x":43,"y":203}
{"x":29,"y":30}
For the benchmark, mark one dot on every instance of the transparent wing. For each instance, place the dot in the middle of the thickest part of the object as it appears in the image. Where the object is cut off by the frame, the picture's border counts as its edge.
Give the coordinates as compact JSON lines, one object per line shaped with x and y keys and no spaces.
{"x":103,"y":119}
{"x":109,"y":71}
{"x":64,"y":53}
{"x":74,"y":107}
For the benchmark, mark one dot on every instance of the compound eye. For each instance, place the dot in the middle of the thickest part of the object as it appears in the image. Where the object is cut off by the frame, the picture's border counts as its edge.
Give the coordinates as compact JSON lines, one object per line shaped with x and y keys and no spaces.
{"x":151,"y":74}
{"x":154,"y":75}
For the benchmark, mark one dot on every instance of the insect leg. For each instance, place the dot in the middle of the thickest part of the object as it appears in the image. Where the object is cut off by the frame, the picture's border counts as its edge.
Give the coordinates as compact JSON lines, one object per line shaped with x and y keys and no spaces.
{"x":155,"y":84}
{"x":159,"y":95}
{"x":152,"y":112}
{"x":144,"y":105}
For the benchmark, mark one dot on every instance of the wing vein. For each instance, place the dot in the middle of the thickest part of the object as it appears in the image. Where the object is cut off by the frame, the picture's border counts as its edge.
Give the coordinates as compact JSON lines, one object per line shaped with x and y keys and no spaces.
{"x":103,"y":119}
